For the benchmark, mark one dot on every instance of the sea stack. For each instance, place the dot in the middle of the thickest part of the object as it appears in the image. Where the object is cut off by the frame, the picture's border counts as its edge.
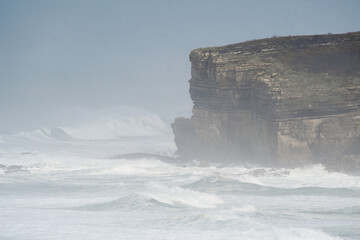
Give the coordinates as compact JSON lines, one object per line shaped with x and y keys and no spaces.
{"x":282,"y":101}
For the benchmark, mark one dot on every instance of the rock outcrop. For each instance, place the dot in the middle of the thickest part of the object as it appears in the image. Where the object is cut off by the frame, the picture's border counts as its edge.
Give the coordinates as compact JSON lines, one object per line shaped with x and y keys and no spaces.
{"x":286,"y":101}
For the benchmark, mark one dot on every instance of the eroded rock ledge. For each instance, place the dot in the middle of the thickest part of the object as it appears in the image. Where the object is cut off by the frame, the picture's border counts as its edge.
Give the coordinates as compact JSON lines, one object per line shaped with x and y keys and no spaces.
{"x":287,"y":101}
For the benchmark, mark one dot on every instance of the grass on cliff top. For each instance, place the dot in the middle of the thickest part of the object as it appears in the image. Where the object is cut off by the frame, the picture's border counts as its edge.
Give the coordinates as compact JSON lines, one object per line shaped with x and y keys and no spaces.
{"x":283,"y":40}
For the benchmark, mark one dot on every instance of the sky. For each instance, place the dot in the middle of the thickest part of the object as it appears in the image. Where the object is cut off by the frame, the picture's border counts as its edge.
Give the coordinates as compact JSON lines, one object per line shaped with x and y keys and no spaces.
{"x":74,"y":54}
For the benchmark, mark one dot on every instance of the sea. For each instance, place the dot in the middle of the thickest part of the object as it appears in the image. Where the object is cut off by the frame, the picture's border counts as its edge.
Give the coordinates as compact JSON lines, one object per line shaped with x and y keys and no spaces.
{"x":70,"y":183}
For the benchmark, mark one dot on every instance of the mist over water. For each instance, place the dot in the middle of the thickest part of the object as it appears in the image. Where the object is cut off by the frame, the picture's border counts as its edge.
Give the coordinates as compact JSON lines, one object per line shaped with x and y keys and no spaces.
{"x":62,"y":182}
{"x":84,"y":81}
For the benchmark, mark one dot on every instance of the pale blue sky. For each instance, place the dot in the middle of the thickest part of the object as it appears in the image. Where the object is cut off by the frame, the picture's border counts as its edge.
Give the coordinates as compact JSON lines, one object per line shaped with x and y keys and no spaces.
{"x":95,"y":54}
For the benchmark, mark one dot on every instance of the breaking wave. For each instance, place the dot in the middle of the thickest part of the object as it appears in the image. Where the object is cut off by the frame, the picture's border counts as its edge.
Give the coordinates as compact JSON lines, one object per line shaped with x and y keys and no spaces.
{"x":106,"y":129}
{"x":237,"y":202}
{"x":102,"y":129}
{"x":66,"y":178}
{"x":179,"y":196}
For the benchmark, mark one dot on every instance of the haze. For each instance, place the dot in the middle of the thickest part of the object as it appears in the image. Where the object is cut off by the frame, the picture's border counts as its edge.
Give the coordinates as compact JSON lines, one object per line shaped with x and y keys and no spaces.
{"x":60,"y":59}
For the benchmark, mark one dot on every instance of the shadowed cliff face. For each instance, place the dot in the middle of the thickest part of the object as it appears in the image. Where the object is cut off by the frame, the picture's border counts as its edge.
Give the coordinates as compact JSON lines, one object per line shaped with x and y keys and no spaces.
{"x":286,"y":101}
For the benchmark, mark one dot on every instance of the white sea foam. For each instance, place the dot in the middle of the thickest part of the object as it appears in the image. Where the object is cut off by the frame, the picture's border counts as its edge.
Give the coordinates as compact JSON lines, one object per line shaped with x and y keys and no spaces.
{"x":244,"y":209}
{"x":131,"y":126}
{"x":315,"y":176}
{"x":70,"y":184}
{"x":99,"y":138}
{"x":177,"y":195}
{"x":83,"y":189}
{"x":103,"y":129}
{"x":312,"y":176}
{"x":273,"y":233}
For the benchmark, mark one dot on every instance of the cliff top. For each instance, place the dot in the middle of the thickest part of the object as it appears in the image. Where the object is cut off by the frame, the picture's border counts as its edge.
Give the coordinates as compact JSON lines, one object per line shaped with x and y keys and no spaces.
{"x":280,"y":43}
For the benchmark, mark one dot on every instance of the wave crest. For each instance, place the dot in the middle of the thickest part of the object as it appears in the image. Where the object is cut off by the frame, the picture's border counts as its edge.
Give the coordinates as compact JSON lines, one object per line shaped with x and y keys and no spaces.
{"x":179,"y":196}
{"x":103,"y":129}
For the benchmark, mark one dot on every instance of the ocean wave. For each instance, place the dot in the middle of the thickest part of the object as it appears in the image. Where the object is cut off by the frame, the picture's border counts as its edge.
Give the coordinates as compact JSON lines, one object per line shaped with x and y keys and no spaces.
{"x":104,"y":128}
{"x":133,"y":202}
{"x":223,"y":184}
{"x":177,"y":196}
{"x":286,"y":233}
{"x":352,"y":210}
{"x":157,"y":195}
{"x":111,"y":128}
{"x":307,"y":181}
{"x":312,"y":176}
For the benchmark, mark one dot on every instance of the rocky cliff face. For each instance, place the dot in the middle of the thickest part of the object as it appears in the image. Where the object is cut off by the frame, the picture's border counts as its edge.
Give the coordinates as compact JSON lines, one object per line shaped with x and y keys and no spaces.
{"x":286,"y":101}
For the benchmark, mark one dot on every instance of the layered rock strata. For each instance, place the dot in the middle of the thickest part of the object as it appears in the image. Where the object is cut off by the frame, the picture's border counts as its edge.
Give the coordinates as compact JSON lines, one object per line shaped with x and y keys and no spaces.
{"x":286,"y":101}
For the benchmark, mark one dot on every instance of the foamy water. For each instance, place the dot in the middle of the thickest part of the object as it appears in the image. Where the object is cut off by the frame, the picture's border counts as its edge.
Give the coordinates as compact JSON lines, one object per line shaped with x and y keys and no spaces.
{"x":65,"y":185}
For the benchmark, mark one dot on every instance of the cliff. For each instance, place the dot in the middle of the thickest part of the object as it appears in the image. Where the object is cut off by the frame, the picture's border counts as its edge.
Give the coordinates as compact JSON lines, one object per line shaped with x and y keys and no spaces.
{"x":287,"y":101}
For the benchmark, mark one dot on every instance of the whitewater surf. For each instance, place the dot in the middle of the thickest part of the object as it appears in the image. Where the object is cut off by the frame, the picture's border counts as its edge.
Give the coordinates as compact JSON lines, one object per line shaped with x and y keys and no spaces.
{"x":64,"y":183}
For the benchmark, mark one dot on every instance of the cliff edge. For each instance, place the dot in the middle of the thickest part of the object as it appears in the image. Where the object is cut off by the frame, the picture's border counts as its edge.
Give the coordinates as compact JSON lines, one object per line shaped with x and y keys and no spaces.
{"x":286,"y":101}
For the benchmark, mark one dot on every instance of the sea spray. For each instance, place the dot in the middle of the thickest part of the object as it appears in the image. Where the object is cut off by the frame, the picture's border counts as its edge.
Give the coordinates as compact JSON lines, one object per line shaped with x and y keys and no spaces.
{"x":72,"y":188}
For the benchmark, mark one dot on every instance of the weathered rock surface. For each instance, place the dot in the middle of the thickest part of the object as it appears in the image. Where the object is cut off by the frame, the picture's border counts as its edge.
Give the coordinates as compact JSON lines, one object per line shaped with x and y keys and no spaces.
{"x":287,"y":101}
